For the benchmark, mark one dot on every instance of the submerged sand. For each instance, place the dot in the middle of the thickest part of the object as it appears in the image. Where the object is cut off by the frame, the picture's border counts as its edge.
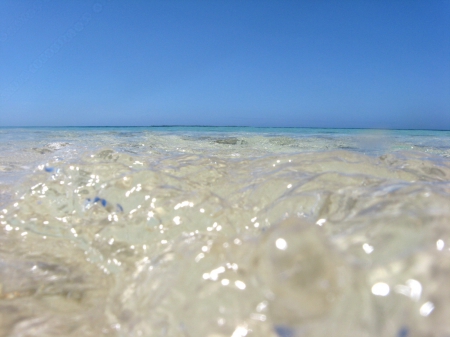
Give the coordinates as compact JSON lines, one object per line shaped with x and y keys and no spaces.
{"x":213,"y":236}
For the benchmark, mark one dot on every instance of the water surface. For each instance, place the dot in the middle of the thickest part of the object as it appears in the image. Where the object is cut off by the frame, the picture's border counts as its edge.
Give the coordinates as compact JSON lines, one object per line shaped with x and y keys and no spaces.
{"x":194,"y":231}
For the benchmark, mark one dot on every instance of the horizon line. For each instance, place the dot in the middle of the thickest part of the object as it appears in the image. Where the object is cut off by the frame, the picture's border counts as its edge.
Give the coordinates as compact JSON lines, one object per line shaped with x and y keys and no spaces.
{"x":220,"y":126}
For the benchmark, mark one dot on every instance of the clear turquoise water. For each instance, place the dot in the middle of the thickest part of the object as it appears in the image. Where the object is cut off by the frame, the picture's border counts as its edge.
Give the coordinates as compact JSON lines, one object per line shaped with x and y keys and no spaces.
{"x":362,"y":140}
{"x":205,"y":231}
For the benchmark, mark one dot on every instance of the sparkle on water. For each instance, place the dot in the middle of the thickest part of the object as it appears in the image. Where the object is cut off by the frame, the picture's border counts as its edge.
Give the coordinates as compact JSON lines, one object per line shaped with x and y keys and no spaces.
{"x":224,"y":232}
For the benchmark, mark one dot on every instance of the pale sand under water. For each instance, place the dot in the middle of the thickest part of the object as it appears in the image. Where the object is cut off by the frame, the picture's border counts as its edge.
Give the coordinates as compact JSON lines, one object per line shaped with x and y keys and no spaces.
{"x":233,"y":234}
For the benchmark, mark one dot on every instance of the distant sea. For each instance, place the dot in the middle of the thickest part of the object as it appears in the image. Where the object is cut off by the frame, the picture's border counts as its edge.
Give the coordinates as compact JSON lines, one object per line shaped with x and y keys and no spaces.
{"x":224,"y":231}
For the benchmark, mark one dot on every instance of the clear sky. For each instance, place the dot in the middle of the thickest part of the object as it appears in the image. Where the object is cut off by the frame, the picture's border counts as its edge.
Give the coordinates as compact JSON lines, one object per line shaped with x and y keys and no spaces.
{"x":376,"y":64}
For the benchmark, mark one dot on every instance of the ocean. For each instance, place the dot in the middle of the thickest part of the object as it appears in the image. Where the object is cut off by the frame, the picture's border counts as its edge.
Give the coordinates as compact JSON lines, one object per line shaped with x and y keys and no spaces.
{"x":224,"y":231}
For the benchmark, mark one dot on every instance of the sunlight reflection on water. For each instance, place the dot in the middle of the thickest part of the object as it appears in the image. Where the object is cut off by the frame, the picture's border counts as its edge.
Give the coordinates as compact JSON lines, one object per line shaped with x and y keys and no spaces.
{"x":274,"y":242}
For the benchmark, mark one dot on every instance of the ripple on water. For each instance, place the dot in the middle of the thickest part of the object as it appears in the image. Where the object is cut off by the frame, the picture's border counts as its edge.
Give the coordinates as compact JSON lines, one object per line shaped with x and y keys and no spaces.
{"x":209,"y":244}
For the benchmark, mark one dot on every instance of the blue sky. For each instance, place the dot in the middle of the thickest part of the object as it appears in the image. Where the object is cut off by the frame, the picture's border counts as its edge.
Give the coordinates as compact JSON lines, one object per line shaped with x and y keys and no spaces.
{"x":375,"y":64}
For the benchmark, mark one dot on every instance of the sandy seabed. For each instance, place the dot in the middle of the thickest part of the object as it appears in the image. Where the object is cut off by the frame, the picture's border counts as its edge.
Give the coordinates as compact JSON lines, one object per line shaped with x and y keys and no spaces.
{"x":178,"y":234}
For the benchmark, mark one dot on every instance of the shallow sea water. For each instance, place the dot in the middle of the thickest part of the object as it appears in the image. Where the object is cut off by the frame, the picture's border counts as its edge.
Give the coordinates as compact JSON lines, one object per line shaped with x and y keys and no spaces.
{"x":224,"y":232}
